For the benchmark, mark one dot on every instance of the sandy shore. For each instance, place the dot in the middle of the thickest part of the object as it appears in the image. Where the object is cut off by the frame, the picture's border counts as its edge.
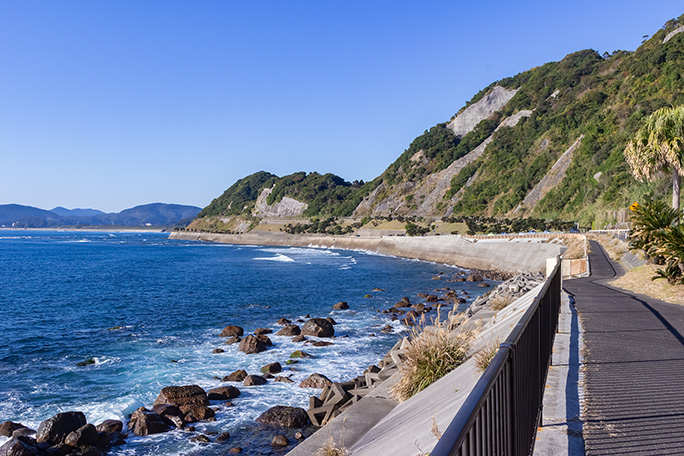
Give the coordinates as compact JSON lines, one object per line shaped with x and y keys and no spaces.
{"x":510,"y":257}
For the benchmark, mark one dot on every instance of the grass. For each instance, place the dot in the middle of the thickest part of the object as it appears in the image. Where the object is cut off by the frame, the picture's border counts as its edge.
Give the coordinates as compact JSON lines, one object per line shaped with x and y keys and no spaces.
{"x":499,"y":302}
{"x":576,"y":247}
{"x":433,"y":351}
{"x":638,"y":280}
{"x":332,"y":449}
{"x":486,"y":355}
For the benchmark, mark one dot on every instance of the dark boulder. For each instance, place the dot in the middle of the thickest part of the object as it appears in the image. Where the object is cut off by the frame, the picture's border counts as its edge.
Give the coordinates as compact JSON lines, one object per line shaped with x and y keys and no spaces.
{"x":232,"y":330}
{"x":403,"y":302}
{"x":218,"y":350}
{"x":86,"y":451}
{"x":283,"y":416}
{"x":331,"y":320}
{"x":431,"y":298}
{"x":318,"y":327}
{"x":254,"y":380}
{"x":223,"y":393}
{"x":237,"y":376}
{"x":197,"y":412}
{"x":318,"y":343}
{"x":264,"y":338}
{"x":283,"y":322}
{"x":279,"y":441}
{"x":23,"y":432}
{"x":7,"y":428}
{"x":54,"y":430}
{"x":146,"y":422}
{"x":251,"y":344}
{"x":283,"y":379}
{"x":61,"y":449}
{"x":260,"y":331}
{"x":341,"y":306}
{"x":110,"y":426}
{"x":483,"y":285}
{"x":474,"y":278}
{"x":233,"y":340}
{"x":19,"y":446}
{"x":289,"y":330}
{"x":272,"y":368}
{"x":182,"y":395}
{"x":223,"y":436}
{"x":315,"y":381}
{"x":299,"y":338}
{"x":83,"y":436}
{"x":170,"y":413}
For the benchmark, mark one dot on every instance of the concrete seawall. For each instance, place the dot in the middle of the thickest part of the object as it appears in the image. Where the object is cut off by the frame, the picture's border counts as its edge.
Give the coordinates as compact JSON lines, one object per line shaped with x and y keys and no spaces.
{"x":504,"y":256}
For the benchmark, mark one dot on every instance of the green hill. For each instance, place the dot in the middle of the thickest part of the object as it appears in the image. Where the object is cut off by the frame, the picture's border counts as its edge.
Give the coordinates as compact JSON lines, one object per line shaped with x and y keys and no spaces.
{"x":545,"y":143}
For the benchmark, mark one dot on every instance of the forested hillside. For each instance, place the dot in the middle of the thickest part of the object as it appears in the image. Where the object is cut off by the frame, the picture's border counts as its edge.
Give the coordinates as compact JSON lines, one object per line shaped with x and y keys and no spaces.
{"x":545,"y":143}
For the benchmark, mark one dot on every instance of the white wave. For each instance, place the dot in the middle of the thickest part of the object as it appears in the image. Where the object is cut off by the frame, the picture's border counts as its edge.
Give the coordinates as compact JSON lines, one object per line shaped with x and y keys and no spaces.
{"x":278,"y":257}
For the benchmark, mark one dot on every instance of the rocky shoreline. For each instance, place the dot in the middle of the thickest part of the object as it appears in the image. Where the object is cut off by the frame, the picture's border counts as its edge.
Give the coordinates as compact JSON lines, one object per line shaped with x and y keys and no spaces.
{"x":182,"y":406}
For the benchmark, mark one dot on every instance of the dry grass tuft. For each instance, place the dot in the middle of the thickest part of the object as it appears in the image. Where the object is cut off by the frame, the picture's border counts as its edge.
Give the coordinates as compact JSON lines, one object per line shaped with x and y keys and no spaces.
{"x":499,"y":302}
{"x":433,"y":351}
{"x":576,"y":247}
{"x":331,"y":449}
{"x":486,"y":355}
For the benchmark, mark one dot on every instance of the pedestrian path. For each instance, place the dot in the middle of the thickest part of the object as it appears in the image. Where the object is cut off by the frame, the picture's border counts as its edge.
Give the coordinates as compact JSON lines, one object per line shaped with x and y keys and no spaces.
{"x":634,"y":366}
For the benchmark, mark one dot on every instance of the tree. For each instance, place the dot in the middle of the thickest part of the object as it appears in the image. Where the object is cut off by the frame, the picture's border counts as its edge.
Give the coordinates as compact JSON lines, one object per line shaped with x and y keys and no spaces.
{"x":659,"y":145}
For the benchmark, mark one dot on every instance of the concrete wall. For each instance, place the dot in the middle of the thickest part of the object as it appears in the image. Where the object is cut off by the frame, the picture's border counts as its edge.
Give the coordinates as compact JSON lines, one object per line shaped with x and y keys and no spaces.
{"x":454,"y":250}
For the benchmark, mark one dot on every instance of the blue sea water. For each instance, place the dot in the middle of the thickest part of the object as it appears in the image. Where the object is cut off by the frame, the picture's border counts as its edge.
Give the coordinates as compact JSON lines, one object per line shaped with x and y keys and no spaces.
{"x":149,"y":310}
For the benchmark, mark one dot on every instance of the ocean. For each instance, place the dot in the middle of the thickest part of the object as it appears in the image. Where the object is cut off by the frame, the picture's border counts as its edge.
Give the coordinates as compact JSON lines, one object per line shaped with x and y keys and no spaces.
{"x":148,"y":311}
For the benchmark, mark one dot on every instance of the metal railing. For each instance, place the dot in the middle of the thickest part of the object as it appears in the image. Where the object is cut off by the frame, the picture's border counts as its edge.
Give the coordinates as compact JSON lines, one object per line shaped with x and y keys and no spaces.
{"x":501,"y":414}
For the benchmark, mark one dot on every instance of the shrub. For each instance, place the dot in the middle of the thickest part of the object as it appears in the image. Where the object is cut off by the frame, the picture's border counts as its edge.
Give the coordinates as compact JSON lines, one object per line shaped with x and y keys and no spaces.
{"x":433,"y":352}
{"x":499,"y":302}
{"x":332,"y":449}
{"x":486,"y":355}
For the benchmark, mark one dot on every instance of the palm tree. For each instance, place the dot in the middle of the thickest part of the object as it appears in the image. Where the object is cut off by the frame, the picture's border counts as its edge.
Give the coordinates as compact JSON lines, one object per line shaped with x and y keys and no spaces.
{"x":659,"y":145}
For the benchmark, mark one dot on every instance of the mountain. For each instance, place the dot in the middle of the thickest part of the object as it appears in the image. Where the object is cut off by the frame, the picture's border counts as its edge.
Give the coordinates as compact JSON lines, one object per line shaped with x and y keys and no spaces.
{"x":545,"y":143}
{"x":156,"y":214}
{"x":27,"y":216}
{"x":64,"y":212}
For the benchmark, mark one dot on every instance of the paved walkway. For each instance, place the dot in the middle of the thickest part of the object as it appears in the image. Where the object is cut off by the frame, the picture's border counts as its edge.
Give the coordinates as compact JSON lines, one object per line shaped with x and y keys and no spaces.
{"x":634,"y":366}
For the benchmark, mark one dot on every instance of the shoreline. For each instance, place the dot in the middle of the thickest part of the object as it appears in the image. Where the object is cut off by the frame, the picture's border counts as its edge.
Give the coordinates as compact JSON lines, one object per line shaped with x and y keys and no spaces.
{"x":503,"y":257}
{"x":114,"y":229}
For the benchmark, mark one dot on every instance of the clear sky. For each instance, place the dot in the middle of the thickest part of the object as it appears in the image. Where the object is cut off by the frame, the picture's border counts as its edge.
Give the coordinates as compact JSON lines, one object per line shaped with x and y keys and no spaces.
{"x":111,"y":104}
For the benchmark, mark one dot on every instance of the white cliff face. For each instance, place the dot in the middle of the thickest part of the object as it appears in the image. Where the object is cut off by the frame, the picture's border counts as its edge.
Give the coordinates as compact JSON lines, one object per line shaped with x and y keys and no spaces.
{"x":670,"y":35}
{"x":287,"y":207}
{"x":475,"y":113}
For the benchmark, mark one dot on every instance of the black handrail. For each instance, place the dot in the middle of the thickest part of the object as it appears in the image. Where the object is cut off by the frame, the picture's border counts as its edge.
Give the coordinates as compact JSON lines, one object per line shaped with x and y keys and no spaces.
{"x":502,"y":412}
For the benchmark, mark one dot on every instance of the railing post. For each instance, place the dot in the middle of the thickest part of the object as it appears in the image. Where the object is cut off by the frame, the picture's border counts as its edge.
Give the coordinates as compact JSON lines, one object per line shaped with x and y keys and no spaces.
{"x":512,"y":409}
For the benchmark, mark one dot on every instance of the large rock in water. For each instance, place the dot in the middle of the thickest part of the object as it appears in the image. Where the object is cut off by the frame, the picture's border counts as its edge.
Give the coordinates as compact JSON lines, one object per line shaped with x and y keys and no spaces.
{"x":223,"y":393}
{"x":251,"y":344}
{"x":83,"y":436}
{"x":145,"y":422}
{"x":342,"y":305}
{"x":237,"y":376}
{"x":284,"y":416}
{"x":289,"y":330}
{"x":232,"y":330}
{"x":8,"y":427}
{"x":182,"y":395}
{"x":318,"y":327}
{"x":54,"y":430}
{"x":315,"y":381}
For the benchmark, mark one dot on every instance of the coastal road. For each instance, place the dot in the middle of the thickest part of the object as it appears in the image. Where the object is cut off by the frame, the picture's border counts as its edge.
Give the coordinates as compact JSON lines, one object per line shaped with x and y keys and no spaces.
{"x":634,"y":366}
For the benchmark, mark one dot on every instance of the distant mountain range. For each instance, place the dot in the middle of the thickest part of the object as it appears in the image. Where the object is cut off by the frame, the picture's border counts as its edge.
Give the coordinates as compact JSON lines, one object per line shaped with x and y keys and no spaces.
{"x":155,"y":214}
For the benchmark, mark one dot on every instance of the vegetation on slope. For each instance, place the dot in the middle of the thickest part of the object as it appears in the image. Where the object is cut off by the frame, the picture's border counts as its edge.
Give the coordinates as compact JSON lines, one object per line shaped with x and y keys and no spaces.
{"x":603,"y":97}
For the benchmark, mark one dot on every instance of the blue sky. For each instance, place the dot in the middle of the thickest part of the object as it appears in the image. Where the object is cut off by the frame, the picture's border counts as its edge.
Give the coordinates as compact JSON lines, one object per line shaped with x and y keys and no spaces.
{"x":114,"y":104}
